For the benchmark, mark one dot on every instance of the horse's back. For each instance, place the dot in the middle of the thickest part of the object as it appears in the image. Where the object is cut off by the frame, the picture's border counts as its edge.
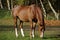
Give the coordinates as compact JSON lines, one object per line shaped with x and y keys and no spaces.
{"x":27,"y":13}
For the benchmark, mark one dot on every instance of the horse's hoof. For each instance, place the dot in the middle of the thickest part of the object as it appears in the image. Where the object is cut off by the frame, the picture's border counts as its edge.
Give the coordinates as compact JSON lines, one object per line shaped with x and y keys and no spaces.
{"x":16,"y":36}
{"x":41,"y":36}
{"x":23,"y":36}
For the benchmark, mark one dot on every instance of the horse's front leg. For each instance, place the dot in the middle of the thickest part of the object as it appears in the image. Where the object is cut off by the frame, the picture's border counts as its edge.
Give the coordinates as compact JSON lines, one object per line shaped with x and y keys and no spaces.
{"x":41,"y":31}
{"x":32,"y":29}
{"x":21,"y":27}
{"x":15,"y":26}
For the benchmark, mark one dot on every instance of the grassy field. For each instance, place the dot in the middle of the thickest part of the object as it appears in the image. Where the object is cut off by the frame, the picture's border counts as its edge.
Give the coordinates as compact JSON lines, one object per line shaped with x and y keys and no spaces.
{"x":7,"y":32}
{"x":9,"y":35}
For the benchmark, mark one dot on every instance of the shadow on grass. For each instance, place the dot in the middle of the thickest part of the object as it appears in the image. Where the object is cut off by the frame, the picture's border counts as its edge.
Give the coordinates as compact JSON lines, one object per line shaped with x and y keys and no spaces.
{"x":51,"y":37}
{"x":45,"y":38}
{"x":26,"y":27}
{"x":11,"y":27}
{"x":6,"y":28}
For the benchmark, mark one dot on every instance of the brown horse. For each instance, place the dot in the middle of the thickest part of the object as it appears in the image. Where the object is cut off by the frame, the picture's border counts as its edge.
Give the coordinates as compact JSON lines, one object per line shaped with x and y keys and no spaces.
{"x":32,"y":14}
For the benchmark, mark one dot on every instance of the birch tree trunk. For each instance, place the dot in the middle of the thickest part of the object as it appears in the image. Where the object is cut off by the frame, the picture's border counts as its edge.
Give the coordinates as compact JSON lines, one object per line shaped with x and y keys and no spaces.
{"x":11,"y":4}
{"x":55,"y":13}
{"x":43,"y":8}
{"x":8,"y":4}
{"x":1,"y":4}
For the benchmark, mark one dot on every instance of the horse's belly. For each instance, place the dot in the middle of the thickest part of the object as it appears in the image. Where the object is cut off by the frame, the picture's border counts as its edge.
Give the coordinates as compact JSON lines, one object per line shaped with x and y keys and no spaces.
{"x":23,"y":17}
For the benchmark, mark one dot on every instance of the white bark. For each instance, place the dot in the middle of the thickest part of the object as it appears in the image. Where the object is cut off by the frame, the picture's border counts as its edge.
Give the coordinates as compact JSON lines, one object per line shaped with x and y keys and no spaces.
{"x":43,"y":8}
{"x":11,"y":4}
{"x":8,"y":4}
{"x":56,"y":14}
{"x":1,"y":4}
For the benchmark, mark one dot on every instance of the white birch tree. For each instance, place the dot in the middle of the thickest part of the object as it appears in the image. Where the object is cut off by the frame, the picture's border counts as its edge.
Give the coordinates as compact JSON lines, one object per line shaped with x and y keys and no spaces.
{"x":1,"y":4}
{"x":55,"y":13}
{"x":11,"y":4}
{"x":8,"y":4}
{"x":43,"y":8}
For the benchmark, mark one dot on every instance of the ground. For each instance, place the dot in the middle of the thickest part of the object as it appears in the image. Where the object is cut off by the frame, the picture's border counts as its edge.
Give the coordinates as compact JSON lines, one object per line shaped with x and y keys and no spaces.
{"x":7,"y":31}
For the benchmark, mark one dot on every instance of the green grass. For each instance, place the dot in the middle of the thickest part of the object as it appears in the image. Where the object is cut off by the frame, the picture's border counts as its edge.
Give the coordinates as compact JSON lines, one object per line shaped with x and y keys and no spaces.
{"x":4,"y":14}
{"x":7,"y":32}
{"x":10,"y":35}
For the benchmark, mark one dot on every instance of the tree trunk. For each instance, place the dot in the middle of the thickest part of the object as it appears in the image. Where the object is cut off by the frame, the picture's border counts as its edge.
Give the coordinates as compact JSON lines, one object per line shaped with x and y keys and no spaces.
{"x":36,"y":2}
{"x":56,"y":14}
{"x":1,"y":4}
{"x":43,"y":8}
{"x":8,"y":4}
{"x":11,"y":4}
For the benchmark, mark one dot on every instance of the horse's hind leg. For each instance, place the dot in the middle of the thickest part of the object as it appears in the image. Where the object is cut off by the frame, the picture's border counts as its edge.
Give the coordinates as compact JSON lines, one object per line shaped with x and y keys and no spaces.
{"x":31,"y":25}
{"x":21,"y":27}
{"x":15,"y":25}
